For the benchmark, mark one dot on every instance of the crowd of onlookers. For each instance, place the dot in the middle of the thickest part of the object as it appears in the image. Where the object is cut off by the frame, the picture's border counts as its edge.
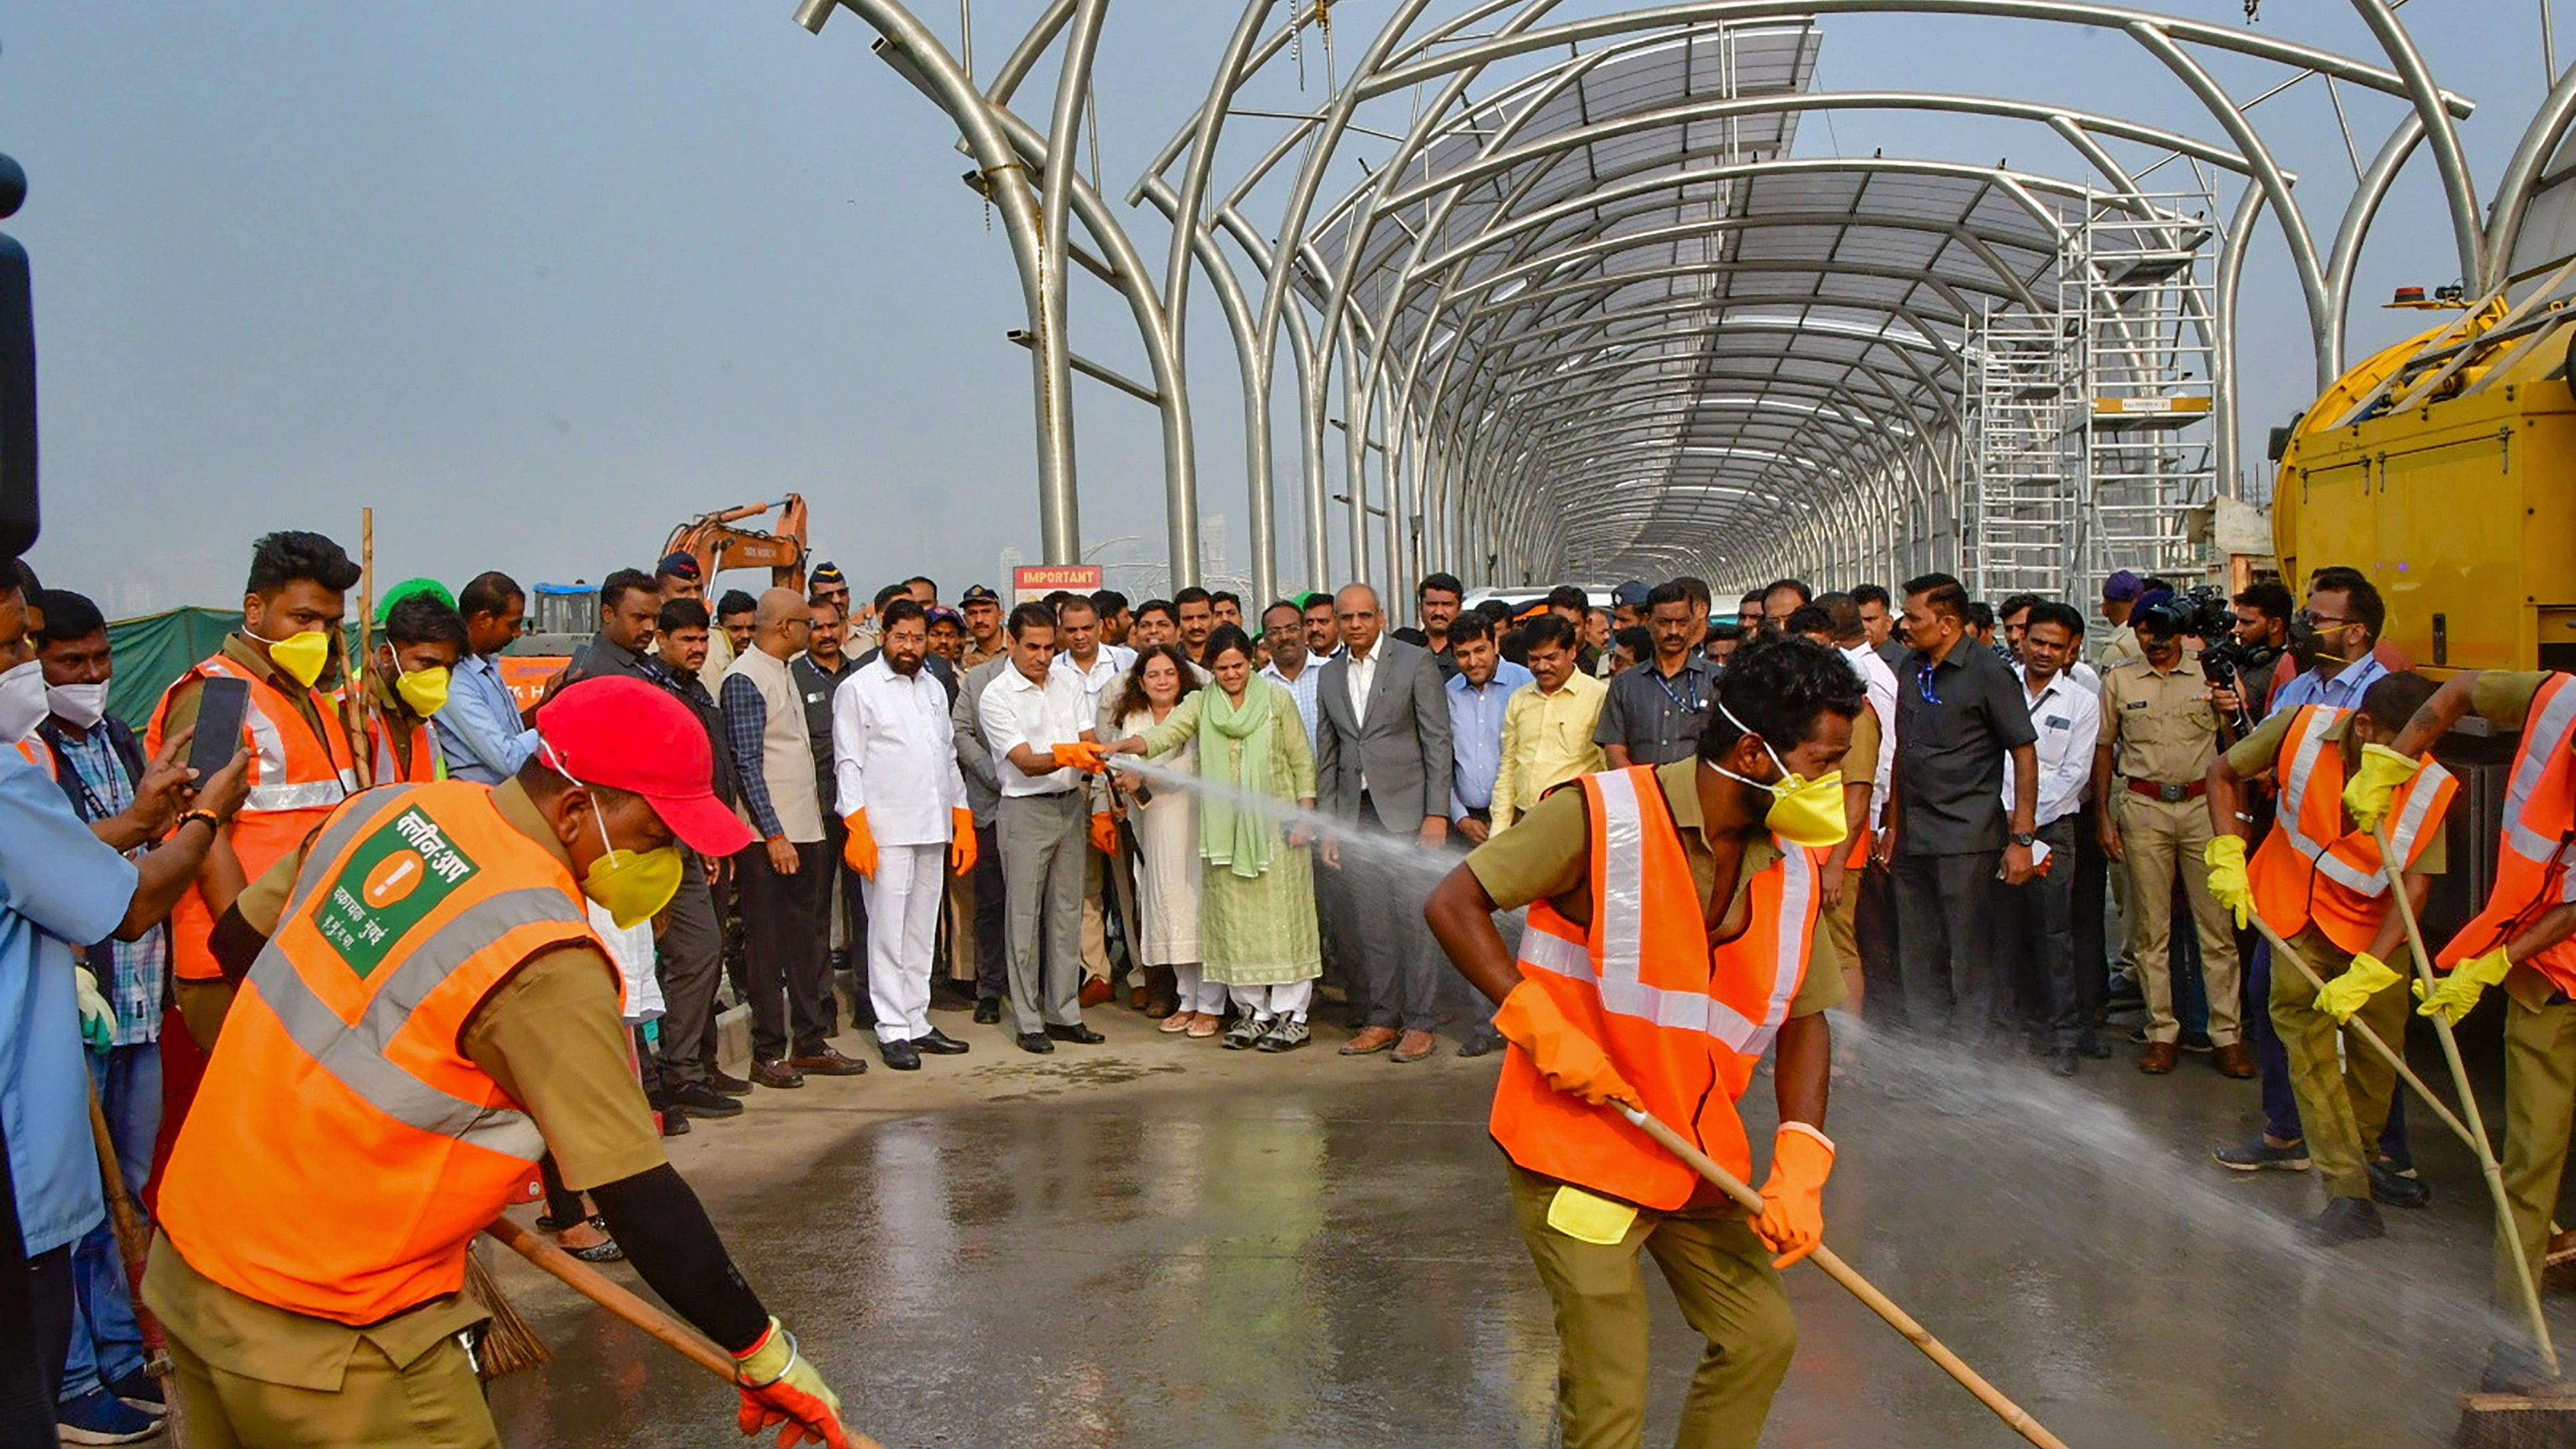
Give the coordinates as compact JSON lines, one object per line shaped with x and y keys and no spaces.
{"x":983,"y":806}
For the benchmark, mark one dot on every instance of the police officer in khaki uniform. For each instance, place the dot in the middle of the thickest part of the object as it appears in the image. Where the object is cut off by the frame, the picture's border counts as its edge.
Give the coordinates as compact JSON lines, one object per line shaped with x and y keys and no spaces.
{"x":2159,"y":736}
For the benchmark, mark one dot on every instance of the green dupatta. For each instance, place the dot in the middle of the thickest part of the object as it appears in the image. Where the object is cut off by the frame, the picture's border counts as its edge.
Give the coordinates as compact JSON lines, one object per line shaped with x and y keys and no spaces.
{"x":1236,"y":836}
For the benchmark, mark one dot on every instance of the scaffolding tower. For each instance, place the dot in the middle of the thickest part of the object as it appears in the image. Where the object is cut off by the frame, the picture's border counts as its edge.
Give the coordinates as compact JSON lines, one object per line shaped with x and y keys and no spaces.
{"x":2024,"y":405}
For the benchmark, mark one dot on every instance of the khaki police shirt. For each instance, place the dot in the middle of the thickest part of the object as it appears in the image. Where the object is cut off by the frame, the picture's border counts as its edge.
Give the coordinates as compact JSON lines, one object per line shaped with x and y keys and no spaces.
{"x":1547,"y":855}
{"x":2161,"y":720}
{"x":2259,"y":752}
{"x":551,"y":1036}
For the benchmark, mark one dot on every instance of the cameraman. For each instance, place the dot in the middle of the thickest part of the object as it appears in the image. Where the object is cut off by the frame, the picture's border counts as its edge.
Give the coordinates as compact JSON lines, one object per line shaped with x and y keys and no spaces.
{"x":2241,"y":681}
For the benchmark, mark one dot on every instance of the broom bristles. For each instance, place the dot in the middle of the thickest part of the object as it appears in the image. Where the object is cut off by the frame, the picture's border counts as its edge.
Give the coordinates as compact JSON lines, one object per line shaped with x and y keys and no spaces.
{"x":508,"y":1343}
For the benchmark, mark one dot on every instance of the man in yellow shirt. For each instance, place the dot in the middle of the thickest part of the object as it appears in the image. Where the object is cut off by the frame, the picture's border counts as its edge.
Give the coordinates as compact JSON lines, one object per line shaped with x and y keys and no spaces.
{"x":1547,"y":728}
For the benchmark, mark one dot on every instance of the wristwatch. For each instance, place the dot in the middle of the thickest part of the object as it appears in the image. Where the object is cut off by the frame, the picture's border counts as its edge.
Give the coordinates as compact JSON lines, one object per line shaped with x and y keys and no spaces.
{"x":2024,"y":838}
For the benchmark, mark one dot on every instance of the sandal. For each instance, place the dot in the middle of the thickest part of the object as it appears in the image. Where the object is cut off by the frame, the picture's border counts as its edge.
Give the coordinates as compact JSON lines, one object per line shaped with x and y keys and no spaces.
{"x":605,"y":1250}
{"x":1178,"y":1021}
{"x":1202,"y":1025}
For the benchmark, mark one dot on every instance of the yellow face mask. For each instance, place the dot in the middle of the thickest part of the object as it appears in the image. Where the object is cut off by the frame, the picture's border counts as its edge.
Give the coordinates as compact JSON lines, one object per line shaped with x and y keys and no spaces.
{"x":425,"y":690}
{"x":301,"y":657}
{"x":633,"y":886}
{"x":1803,"y":812}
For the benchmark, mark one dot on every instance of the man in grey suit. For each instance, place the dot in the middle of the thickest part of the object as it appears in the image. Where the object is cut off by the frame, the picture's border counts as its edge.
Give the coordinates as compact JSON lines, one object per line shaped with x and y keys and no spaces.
{"x":984,"y":794}
{"x":1382,"y":763}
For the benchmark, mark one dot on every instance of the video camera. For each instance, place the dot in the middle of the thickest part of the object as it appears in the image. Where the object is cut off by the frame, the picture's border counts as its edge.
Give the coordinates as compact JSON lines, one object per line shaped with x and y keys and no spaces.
{"x":2203,"y":613}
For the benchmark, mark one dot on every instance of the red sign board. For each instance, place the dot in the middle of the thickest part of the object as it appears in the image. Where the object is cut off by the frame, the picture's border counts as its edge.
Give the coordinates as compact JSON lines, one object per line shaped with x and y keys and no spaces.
{"x":1036,"y":581}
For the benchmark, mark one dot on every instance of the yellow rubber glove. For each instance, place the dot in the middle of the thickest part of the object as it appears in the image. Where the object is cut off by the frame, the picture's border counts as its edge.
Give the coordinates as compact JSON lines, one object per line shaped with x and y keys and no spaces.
{"x":1080,"y":755}
{"x":2365,"y":978}
{"x":2458,"y":992}
{"x":2228,"y":882}
{"x":2374,"y":783}
{"x":860,"y":851}
{"x":961,"y":841}
{"x":779,"y":1386}
{"x":97,"y":1018}
{"x":1571,"y":1061}
{"x":1793,"y":1200}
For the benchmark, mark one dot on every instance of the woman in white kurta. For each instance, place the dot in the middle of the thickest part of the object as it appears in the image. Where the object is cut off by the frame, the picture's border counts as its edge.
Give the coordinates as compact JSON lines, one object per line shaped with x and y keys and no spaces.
{"x":1166,"y":827}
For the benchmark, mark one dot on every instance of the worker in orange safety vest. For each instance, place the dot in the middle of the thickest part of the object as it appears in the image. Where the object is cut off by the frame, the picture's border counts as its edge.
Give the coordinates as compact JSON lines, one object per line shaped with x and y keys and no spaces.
{"x":2317,"y":882}
{"x":421,"y":638}
{"x":2520,"y":940}
{"x":1671,"y":913}
{"x":424,"y":1009}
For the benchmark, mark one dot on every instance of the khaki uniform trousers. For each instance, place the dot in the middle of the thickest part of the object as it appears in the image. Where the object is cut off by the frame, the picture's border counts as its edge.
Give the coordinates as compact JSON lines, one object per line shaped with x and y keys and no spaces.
{"x":2539,"y":1108}
{"x":1842,"y":934}
{"x":2342,"y":1106}
{"x":2160,"y":841}
{"x":434,"y":1403}
{"x":1722,"y":1277}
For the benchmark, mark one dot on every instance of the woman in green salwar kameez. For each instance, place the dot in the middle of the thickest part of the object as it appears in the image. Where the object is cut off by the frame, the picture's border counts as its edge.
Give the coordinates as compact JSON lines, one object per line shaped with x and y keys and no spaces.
{"x":1257,"y":906}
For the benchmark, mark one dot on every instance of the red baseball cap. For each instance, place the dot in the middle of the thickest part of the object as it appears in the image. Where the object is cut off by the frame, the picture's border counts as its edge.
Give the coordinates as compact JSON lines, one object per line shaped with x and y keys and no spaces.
{"x":626,"y":735}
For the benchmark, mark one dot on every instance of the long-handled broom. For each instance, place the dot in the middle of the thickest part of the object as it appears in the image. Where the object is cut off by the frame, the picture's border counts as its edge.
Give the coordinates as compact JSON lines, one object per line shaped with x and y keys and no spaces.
{"x":134,"y":1246}
{"x":2013,"y":1415}
{"x":596,"y":1286}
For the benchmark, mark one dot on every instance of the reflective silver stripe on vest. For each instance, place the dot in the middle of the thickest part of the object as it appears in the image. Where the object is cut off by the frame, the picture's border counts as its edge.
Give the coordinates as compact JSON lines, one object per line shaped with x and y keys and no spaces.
{"x":2409,"y":825}
{"x":354,"y":1053}
{"x":2544,"y":739}
{"x":1619,"y":926}
{"x":2292,"y":816}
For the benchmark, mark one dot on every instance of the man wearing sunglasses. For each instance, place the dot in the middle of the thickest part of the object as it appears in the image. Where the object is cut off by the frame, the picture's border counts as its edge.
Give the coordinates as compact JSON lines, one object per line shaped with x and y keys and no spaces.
{"x":2335,"y":641}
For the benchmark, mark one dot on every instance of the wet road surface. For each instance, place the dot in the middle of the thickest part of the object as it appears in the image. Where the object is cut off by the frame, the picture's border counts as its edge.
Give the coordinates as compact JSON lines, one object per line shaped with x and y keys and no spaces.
{"x":1153,"y":1245}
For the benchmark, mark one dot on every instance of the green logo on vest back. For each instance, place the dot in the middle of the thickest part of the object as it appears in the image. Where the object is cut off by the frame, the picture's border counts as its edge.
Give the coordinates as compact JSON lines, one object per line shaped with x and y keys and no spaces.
{"x":396,"y":876}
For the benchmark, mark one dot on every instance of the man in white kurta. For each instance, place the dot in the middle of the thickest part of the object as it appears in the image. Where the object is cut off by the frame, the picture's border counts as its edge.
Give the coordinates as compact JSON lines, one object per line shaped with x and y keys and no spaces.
{"x":894,"y":761}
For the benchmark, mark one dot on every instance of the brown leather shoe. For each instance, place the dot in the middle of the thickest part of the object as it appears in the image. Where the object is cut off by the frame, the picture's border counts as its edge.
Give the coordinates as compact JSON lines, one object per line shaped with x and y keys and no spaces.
{"x":2233,"y":1061}
{"x":1097,"y":990}
{"x":1415,"y":1046}
{"x":1371,"y":1040}
{"x":2159,"y":1058}
{"x":828,"y":1063}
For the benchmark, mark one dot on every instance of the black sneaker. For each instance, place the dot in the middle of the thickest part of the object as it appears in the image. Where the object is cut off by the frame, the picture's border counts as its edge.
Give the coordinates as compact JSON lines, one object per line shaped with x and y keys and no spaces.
{"x":138,"y":1390}
{"x":675,"y":1123}
{"x":988,"y":1011}
{"x":2398,"y":1188}
{"x":2090,"y":1043}
{"x":703,"y":1100}
{"x":729,"y":1085}
{"x":2256,"y":1153}
{"x":98,"y":1417}
{"x":2345,"y":1220}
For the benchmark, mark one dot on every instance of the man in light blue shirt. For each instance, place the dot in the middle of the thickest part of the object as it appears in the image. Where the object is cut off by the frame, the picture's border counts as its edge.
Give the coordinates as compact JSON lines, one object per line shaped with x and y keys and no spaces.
{"x":61,"y":884}
{"x":479,"y":731}
{"x":1478,"y":693}
{"x":2340,"y":628}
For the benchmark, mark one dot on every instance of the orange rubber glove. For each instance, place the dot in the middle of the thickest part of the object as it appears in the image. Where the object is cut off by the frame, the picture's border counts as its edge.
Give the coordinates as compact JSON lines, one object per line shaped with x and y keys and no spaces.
{"x":1793,"y":1205}
{"x":961,"y":841}
{"x":779,"y":1386}
{"x":1571,"y":1061}
{"x":1104,"y":833}
{"x":1081,"y":755}
{"x":860,"y":851}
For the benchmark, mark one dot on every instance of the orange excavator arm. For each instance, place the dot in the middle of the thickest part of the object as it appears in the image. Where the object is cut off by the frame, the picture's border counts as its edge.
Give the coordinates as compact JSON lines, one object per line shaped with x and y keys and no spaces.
{"x":717,"y":545}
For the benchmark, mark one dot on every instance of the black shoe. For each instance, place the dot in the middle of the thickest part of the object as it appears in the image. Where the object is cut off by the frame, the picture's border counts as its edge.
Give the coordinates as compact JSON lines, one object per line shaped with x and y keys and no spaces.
{"x":988,"y":1011}
{"x":704,"y":1100}
{"x":776,"y":1074}
{"x":940,"y":1044}
{"x":675,"y":1123}
{"x":1480,"y":1042}
{"x":2092,"y":1045}
{"x":731,"y":1086}
{"x":2257,"y":1153}
{"x":1076,"y":1032}
{"x":2064,"y":1061}
{"x":900,"y":1055}
{"x":2345,"y":1220}
{"x":2395,"y":1189}
{"x":1036,"y":1041}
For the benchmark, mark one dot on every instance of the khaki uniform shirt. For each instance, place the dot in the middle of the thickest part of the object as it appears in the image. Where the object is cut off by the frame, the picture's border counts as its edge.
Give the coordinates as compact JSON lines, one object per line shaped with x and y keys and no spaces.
{"x":2160,"y":721}
{"x":1548,"y":855}
{"x":550,"y":1035}
{"x":2119,"y":647}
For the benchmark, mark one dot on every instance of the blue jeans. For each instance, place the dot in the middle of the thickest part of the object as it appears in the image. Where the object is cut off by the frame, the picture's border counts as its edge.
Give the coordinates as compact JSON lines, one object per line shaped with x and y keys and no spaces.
{"x":106,"y":1341}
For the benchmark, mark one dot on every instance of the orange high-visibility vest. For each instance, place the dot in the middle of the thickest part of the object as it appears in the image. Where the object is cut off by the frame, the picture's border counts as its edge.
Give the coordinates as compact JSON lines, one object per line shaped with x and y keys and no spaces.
{"x":425,"y":762}
{"x":343,"y":1151}
{"x":1684,"y":1024}
{"x":295,"y":780}
{"x":2539,"y":842}
{"x":2312,"y":869}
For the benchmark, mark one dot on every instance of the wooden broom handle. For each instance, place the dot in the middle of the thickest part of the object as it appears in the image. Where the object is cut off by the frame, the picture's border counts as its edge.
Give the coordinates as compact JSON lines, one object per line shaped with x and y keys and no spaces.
{"x":2012,"y":1414}
{"x":599,"y":1288}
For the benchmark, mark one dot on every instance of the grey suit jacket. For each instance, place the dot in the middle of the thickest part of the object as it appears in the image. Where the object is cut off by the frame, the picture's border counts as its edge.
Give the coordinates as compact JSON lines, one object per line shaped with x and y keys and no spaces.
{"x":974,"y":756}
{"x":1399,"y":743}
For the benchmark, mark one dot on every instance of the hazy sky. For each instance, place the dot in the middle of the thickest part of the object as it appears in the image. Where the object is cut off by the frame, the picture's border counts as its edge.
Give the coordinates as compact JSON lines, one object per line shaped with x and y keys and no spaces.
{"x":537,"y":281}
